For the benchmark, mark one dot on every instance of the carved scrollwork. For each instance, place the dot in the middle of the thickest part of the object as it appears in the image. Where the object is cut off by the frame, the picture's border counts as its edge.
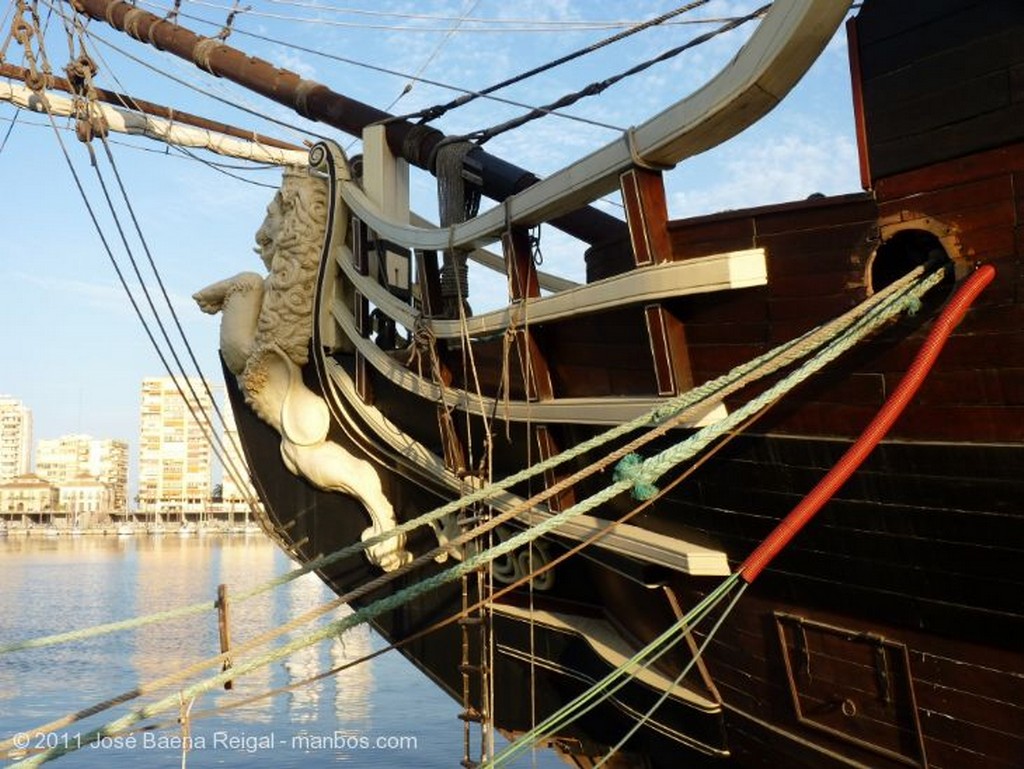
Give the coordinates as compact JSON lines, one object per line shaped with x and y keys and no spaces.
{"x":508,"y":568}
{"x":266,"y":326}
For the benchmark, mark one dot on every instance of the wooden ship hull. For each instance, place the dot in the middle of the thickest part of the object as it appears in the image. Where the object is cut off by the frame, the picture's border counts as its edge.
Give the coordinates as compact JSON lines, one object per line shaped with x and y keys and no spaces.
{"x":887,"y":634}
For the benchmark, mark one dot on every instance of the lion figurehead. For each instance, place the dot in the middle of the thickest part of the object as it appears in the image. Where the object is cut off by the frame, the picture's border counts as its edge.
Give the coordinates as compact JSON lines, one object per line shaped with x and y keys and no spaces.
{"x":289,"y":241}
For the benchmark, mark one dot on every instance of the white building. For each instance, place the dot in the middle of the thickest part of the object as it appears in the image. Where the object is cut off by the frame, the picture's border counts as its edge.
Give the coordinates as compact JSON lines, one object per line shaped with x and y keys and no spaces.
{"x":28,"y":493}
{"x":175,"y":467}
{"x":85,"y":501}
{"x":15,"y":438}
{"x":71,"y":458}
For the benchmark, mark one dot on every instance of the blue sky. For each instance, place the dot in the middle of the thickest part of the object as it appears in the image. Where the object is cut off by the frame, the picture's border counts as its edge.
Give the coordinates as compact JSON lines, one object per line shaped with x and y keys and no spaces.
{"x":70,"y":346}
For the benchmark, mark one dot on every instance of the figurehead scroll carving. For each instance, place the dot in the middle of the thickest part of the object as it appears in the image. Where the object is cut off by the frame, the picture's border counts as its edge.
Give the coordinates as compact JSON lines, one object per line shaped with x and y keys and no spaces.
{"x":266,"y":325}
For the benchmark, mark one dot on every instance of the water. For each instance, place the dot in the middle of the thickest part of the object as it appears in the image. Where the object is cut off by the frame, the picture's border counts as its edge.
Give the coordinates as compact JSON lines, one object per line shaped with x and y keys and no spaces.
{"x":382,"y":713}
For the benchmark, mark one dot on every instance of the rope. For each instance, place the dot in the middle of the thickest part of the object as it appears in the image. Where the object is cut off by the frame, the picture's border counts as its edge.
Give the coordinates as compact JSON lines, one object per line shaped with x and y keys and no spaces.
{"x":951,"y":315}
{"x":596,"y":536}
{"x":677,"y":408}
{"x":598,"y":87}
{"x":650,"y":471}
{"x":432,"y":113}
{"x":617,"y":678}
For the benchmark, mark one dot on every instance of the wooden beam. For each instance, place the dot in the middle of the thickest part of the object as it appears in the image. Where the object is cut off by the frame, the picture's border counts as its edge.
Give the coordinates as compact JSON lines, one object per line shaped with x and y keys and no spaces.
{"x":643,"y":197}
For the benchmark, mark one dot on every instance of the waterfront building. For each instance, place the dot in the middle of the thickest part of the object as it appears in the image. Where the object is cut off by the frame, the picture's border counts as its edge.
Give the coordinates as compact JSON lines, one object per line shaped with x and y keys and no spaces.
{"x":175,"y":459}
{"x":15,"y":438}
{"x":28,"y":493}
{"x":85,"y":501}
{"x":70,"y":458}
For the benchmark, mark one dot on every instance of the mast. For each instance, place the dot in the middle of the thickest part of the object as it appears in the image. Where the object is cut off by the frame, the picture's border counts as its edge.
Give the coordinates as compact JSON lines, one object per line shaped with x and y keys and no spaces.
{"x":315,"y":101}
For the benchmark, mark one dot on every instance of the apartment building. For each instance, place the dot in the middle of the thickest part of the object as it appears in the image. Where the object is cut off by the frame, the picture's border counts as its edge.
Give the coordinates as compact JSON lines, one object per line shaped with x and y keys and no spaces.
{"x":15,"y":438}
{"x":70,"y":460}
{"x":175,"y":459}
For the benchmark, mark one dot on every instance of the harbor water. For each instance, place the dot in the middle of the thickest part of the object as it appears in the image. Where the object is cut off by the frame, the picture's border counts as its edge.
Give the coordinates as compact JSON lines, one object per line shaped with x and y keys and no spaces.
{"x":382,"y":713}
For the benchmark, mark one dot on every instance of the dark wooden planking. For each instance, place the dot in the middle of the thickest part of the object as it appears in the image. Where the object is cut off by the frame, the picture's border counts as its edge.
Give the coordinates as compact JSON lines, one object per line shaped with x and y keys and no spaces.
{"x":893,"y":36}
{"x":940,"y":83}
{"x":1000,"y":53}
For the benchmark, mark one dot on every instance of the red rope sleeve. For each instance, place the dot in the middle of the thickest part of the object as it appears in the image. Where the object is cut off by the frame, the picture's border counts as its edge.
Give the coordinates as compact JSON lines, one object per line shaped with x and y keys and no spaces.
{"x":951,"y":315}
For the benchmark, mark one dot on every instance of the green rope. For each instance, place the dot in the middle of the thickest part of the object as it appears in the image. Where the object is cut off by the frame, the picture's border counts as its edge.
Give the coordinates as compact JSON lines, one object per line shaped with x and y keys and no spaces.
{"x":643,"y":473}
{"x":629,"y":469}
{"x":679,"y":678}
{"x":622,"y":675}
{"x":646,"y":473}
{"x":659,"y":414}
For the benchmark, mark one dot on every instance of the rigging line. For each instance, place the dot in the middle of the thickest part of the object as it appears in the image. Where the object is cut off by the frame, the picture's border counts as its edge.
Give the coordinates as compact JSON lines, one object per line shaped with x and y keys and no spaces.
{"x":376,"y":68}
{"x":499,"y":25}
{"x":673,"y":413}
{"x":196,"y":88}
{"x":881,"y":312}
{"x":74,"y":28}
{"x":269,"y":635}
{"x":557,"y":488}
{"x":230,"y":465}
{"x":437,"y":50}
{"x":226,"y":169}
{"x":197,"y":410}
{"x":560,"y":23}
{"x":649,"y":714}
{"x":591,"y":539}
{"x":40,"y":29}
{"x":885,"y":312}
{"x":99,"y":231}
{"x":432,"y":113}
{"x":598,"y":87}
{"x":106,"y":247}
{"x":10,"y":129}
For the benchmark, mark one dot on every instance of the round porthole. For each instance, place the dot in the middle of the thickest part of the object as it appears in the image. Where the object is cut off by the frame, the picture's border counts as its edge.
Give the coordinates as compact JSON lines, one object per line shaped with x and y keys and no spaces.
{"x":901,"y":253}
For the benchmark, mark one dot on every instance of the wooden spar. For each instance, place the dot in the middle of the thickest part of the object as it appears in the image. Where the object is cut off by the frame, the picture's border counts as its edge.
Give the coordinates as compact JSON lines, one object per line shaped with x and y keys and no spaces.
{"x":156,"y":110}
{"x":315,"y":101}
{"x":157,"y":128}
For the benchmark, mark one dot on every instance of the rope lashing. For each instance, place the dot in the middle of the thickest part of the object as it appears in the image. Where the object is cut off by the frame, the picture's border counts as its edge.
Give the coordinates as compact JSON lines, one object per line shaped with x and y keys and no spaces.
{"x":630,"y":469}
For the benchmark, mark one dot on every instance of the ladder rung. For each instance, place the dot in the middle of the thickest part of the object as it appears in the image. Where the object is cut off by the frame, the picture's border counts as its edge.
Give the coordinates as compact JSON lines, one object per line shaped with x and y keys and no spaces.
{"x":471,"y":620}
{"x":471,"y":714}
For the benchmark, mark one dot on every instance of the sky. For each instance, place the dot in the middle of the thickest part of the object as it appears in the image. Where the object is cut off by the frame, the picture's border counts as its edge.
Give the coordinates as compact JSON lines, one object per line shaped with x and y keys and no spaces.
{"x":71,"y":347}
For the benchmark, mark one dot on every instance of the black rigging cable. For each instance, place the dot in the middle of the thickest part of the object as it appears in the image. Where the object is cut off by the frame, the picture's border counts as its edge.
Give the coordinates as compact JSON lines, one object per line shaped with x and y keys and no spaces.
{"x":432,"y":113}
{"x":595,"y":88}
{"x":76,"y":29}
{"x":432,"y":56}
{"x":225,"y":457}
{"x":181,"y":81}
{"x":205,"y":424}
{"x":367,"y":66}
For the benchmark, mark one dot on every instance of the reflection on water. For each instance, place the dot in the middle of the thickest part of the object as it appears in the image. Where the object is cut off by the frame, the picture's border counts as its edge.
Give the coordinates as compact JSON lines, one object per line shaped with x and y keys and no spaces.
{"x":61,"y":584}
